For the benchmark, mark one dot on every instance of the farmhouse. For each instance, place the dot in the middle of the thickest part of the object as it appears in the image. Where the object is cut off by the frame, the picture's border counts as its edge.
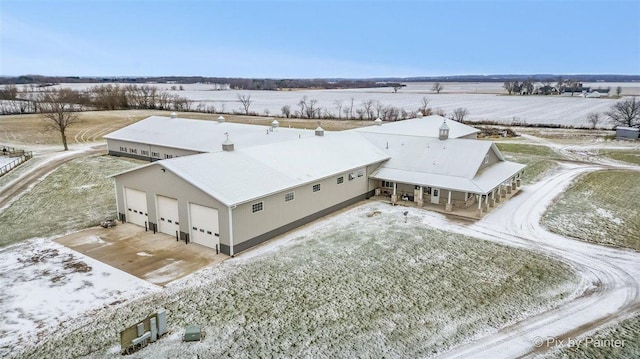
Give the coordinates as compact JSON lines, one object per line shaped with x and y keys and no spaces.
{"x":245,"y":188}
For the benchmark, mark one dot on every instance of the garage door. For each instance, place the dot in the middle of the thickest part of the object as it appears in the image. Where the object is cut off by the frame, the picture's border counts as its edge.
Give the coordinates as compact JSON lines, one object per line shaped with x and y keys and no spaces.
{"x":204,"y":225}
{"x":136,"y":206}
{"x":168,"y":215}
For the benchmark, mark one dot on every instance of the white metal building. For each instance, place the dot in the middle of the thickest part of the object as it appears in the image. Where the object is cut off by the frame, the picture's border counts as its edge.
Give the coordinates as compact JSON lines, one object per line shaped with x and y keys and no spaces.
{"x":236,"y":194}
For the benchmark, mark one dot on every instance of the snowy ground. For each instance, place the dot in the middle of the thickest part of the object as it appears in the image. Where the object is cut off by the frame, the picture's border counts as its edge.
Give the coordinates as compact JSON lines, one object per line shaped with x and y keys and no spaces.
{"x":485,"y":101}
{"x":45,"y":287}
{"x":6,"y":160}
{"x":355,"y":284}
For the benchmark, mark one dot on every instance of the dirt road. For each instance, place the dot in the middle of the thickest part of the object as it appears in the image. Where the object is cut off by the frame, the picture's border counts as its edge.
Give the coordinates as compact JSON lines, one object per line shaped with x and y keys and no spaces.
{"x":17,"y":187}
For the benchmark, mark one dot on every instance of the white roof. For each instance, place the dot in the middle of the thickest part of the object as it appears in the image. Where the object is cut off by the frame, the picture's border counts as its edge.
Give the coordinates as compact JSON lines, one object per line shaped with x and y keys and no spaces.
{"x":628,"y":128}
{"x":243,"y":175}
{"x":202,"y":135}
{"x":424,"y":126}
{"x":452,"y":163}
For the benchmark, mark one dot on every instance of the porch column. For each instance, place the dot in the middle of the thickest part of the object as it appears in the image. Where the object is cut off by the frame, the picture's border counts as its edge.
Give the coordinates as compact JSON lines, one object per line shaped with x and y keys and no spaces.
{"x":503,"y":192}
{"x":449,"y":207}
{"x":394,"y":196}
{"x":479,"y":210}
{"x":513,"y":183}
{"x":509,"y":186}
{"x":492,"y":201}
{"x":485,"y":206}
{"x":420,"y":199}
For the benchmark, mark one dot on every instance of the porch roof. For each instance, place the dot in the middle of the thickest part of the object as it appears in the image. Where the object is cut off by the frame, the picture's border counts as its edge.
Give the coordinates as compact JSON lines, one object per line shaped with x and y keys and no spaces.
{"x":485,"y":181}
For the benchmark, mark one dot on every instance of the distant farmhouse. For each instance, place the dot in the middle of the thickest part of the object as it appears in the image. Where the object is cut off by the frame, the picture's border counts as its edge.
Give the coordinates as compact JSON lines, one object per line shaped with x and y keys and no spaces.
{"x":232,"y":186}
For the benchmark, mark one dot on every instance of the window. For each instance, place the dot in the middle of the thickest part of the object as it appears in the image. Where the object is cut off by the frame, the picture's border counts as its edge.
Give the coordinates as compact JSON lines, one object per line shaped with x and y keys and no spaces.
{"x":387,"y":184}
{"x":256,"y":207}
{"x":351,"y":176}
{"x":155,"y":154}
{"x":133,"y":150}
{"x":168,"y":156}
{"x":340,"y":179}
{"x":486,"y":159}
{"x":123,"y":149}
{"x":316,"y":187}
{"x":289,"y":196}
{"x":144,"y":153}
{"x":360,"y":173}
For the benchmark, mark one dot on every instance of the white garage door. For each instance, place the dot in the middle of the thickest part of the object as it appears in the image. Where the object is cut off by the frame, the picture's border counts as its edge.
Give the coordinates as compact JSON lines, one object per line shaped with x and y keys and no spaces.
{"x":136,"y":206}
{"x":168,"y":215}
{"x":204,"y":225}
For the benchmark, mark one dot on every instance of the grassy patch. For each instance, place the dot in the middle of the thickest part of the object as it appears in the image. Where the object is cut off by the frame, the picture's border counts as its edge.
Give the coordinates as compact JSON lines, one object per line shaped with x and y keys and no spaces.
{"x":526,"y":149}
{"x":355,"y":287}
{"x":595,"y":345}
{"x":77,"y":195}
{"x":601,"y":207}
{"x":536,"y":168}
{"x":621,"y":155}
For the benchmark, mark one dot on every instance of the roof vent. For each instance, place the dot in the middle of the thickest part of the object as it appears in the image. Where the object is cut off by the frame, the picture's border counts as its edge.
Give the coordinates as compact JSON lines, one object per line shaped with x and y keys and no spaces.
{"x":444,"y":131}
{"x":378,"y":121}
{"x":227,"y":145}
{"x":419,"y":114}
{"x":174,"y":115}
{"x":221,"y":119}
{"x":319,"y":130}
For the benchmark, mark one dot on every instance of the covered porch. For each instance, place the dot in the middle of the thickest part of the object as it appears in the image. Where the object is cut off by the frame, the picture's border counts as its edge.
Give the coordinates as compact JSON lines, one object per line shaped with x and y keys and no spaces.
{"x":454,"y":201}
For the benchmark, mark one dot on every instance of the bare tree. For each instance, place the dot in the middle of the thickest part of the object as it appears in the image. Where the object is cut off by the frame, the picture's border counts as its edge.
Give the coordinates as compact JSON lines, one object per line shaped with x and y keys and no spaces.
{"x":437,"y":87}
{"x":367,"y":108}
{"x":618,"y":91}
{"x":440,"y":112}
{"x":626,"y":112}
{"x":338,"y":105}
{"x":286,"y":111}
{"x":352,"y":99}
{"x":424,"y":106}
{"x":594,"y":118}
{"x":396,"y":87}
{"x":245,"y":101}
{"x":58,"y":107}
{"x":459,"y":114}
{"x":508,"y":85}
{"x":560,"y":84}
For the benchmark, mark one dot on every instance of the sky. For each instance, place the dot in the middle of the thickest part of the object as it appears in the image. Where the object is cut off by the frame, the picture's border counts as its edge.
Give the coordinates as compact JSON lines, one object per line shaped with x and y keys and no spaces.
{"x":318,"y":38}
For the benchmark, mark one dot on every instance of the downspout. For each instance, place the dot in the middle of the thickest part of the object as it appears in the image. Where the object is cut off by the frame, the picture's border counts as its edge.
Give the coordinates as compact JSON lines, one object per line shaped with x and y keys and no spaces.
{"x":231,"y":230}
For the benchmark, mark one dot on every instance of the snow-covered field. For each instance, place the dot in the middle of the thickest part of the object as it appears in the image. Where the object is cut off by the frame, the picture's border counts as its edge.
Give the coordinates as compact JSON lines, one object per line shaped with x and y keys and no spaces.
{"x":347,"y":286}
{"x":45,"y":287}
{"x":484,"y":101}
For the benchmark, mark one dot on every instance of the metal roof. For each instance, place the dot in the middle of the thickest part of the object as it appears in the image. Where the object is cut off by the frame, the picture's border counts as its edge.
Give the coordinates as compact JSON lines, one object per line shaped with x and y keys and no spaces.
{"x":246,"y":174}
{"x":428,"y":126}
{"x":451,"y":163}
{"x":202,"y":135}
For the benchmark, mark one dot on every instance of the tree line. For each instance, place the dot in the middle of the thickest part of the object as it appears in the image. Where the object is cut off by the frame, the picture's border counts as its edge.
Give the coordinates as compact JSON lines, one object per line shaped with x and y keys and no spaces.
{"x":28,"y":99}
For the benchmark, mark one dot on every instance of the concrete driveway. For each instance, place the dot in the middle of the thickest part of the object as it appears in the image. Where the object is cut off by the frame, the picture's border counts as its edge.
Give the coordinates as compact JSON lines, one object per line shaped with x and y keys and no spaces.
{"x":157,"y":258}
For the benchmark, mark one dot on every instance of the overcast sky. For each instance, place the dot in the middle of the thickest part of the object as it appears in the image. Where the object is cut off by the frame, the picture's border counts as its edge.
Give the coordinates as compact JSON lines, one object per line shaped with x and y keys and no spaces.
{"x":318,"y":38}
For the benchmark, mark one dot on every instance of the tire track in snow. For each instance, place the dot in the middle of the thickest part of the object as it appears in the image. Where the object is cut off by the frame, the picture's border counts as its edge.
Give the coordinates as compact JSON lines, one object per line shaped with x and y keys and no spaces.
{"x":610,"y":276}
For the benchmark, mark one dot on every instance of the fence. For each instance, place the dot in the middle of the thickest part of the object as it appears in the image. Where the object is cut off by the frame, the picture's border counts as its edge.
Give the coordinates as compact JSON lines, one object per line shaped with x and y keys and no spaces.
{"x":20,"y":157}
